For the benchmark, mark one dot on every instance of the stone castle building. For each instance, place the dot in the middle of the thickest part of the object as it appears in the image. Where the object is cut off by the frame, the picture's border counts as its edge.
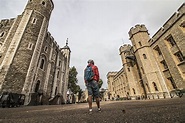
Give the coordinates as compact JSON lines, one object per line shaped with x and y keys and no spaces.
{"x":31,"y":61}
{"x":152,"y":67}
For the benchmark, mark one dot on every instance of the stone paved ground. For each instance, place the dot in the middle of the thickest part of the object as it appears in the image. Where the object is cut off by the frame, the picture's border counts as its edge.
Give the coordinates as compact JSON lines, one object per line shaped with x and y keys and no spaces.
{"x":142,"y":111}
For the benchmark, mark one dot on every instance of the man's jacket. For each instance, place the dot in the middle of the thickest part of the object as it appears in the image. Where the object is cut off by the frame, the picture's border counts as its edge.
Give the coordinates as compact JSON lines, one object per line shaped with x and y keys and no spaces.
{"x":95,"y":71}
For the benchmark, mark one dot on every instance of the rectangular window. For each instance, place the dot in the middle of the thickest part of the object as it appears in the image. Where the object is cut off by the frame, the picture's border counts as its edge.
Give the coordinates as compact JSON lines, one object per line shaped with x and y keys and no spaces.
{"x":158,"y":50}
{"x":58,"y":74}
{"x":182,"y":24}
{"x":179,"y":56}
{"x":164,"y":64}
{"x":172,"y":82}
{"x":59,"y":63}
{"x":144,"y":56}
{"x":171,"y":40}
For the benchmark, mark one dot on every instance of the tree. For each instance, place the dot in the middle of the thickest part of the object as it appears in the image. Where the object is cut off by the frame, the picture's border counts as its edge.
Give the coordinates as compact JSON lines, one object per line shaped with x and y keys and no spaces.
{"x":80,"y":94}
{"x":72,"y":83}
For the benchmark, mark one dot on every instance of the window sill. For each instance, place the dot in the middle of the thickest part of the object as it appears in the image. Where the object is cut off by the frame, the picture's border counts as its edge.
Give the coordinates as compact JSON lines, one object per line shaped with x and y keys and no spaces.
{"x":165,"y":70}
{"x":181,"y":63}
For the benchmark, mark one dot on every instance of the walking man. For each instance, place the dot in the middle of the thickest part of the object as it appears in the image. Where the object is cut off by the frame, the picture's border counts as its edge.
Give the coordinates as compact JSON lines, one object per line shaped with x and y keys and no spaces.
{"x":91,"y":77}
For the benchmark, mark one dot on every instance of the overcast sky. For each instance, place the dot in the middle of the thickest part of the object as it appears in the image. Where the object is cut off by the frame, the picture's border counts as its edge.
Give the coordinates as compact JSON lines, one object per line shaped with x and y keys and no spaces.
{"x":97,"y":28}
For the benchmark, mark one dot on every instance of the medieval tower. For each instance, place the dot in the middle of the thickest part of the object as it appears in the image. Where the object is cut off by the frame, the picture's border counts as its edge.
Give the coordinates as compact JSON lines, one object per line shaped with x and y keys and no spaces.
{"x":30,"y":59}
{"x":131,"y":74}
{"x":150,"y":73}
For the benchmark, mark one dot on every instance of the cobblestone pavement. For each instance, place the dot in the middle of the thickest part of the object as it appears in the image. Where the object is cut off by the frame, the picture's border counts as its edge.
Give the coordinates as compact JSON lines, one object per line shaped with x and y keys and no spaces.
{"x":130,"y":111}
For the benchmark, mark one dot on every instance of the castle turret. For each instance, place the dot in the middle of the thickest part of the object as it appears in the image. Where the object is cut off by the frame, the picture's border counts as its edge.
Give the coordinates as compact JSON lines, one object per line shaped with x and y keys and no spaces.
{"x":139,"y":36}
{"x":148,"y":67}
{"x":63,"y":85}
{"x":130,"y":67}
{"x":43,"y":7}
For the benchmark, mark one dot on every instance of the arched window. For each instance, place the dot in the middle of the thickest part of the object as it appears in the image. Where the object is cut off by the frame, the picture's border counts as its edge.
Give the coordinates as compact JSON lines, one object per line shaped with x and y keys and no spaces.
{"x":144,"y":56}
{"x":155,"y":86}
{"x":57,"y":74}
{"x":147,"y":87}
{"x":59,"y":63}
{"x":43,"y":3}
{"x":37,"y":86}
{"x":42,"y":64}
{"x":128,"y":69}
{"x":56,"y":91}
{"x":46,"y":49}
{"x":134,"y":91}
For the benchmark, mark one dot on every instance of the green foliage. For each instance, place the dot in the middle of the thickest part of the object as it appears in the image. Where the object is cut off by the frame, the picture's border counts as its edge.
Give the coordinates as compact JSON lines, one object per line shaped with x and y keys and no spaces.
{"x":80,"y":94}
{"x":72,"y":83}
{"x":72,"y":75}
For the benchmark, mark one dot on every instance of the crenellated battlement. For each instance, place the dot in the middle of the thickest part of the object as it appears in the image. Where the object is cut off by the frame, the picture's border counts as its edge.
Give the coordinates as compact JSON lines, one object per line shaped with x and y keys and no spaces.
{"x":138,"y":28}
{"x":52,"y":40}
{"x":6,"y":22}
{"x":113,"y":73}
{"x":169,"y":23}
{"x":119,"y":73}
{"x":125,"y":48}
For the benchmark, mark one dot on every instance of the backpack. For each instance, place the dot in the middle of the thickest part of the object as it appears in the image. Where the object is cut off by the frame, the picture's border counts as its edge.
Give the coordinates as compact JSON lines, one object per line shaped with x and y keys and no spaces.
{"x":88,"y":74}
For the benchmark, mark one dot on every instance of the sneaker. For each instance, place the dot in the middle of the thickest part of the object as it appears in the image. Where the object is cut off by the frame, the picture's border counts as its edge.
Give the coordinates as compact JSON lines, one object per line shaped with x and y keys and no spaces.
{"x":99,"y":109}
{"x":90,"y":112}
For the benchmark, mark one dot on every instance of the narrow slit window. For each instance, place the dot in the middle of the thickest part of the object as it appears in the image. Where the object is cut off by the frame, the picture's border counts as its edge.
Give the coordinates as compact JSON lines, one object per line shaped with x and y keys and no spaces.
{"x":140,"y":44}
{"x":59,"y":63}
{"x":144,"y":56}
{"x":128,"y":69}
{"x":57,"y":74}
{"x":30,"y":46}
{"x":2,"y":34}
{"x":34,"y":20}
{"x":46,"y":49}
